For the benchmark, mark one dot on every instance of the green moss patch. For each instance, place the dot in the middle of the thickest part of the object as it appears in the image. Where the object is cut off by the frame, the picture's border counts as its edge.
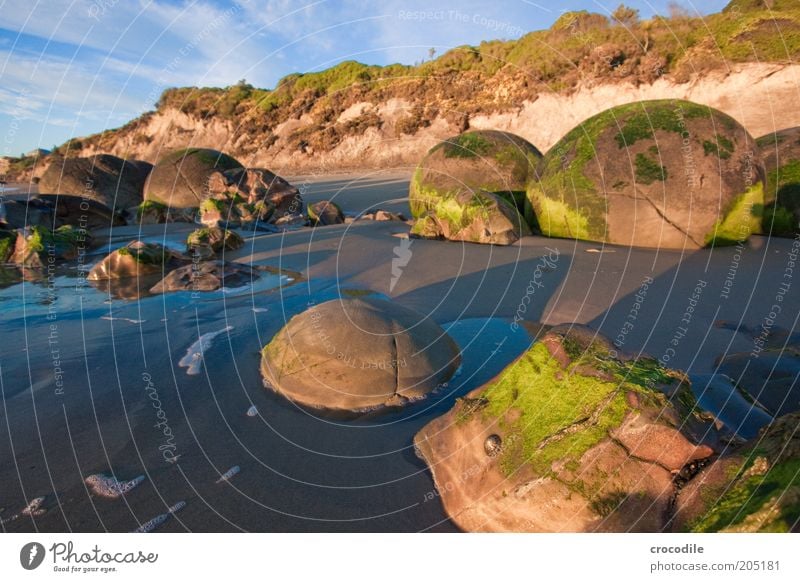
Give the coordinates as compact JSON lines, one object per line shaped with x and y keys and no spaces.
{"x":560,"y":414}
{"x":742,"y":219}
{"x":467,"y":145}
{"x":648,"y":171}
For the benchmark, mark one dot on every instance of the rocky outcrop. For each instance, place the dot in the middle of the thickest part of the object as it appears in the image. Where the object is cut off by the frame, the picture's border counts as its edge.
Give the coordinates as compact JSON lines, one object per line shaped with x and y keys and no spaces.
{"x":258,"y":186}
{"x":114,"y":182}
{"x":472,"y":216}
{"x":660,"y":174}
{"x":570,"y":437}
{"x":358,"y":354}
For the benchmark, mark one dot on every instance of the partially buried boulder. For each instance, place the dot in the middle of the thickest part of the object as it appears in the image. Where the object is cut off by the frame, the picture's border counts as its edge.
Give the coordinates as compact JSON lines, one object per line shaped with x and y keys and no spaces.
{"x":570,"y":437}
{"x":781,"y":154}
{"x":472,"y":216}
{"x":211,"y":240}
{"x":662,"y":174}
{"x":206,"y":276}
{"x":358,"y":354}
{"x":116,"y":183}
{"x":325,"y":213}
{"x":181,"y":179}
{"x":492,"y":161}
{"x":135,"y":259}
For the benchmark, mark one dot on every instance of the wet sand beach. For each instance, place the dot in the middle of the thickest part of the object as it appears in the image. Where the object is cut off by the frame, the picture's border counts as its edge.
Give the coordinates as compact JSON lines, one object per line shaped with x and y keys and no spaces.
{"x":92,"y":384}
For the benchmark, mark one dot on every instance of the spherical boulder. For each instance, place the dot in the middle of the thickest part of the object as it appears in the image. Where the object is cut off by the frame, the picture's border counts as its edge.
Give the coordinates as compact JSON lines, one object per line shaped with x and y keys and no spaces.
{"x":181,"y":179}
{"x":493,"y":161}
{"x":572,"y":436}
{"x":358,"y":354}
{"x":116,"y":183}
{"x":661,"y":174}
{"x":781,"y":154}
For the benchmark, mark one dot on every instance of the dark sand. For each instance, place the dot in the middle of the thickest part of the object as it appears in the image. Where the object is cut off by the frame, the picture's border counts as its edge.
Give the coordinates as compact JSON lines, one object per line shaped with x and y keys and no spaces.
{"x":300,"y":470}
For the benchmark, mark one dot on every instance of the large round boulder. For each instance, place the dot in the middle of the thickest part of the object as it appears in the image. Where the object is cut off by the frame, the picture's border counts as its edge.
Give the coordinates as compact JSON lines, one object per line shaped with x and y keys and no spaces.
{"x":662,"y":174}
{"x":492,"y":161}
{"x":116,"y":183}
{"x":181,"y":179}
{"x":358,"y":354}
{"x":781,"y":154}
{"x":569,"y":437}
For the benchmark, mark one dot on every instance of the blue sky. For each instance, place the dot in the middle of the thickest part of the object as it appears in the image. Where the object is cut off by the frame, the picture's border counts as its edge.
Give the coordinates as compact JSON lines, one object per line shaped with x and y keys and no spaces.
{"x":73,"y":67}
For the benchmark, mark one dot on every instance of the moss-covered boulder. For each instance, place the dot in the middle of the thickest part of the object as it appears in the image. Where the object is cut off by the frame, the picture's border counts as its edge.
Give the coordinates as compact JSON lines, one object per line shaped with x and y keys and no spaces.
{"x":781,"y":154}
{"x":39,"y":246}
{"x":493,"y":161}
{"x":231,"y":210}
{"x":570,"y":437}
{"x":8,"y":241}
{"x":214,"y":239}
{"x":116,"y":183}
{"x":472,"y":216}
{"x":325,"y":213}
{"x":754,"y":489}
{"x":206,"y":276}
{"x":135,"y":259}
{"x":180,"y":179}
{"x":357,"y":354}
{"x":662,"y":174}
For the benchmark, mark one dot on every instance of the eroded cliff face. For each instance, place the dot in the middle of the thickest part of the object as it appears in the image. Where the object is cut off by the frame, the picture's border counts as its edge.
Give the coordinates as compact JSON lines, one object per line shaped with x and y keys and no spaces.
{"x":382,"y":134}
{"x":761,"y":96}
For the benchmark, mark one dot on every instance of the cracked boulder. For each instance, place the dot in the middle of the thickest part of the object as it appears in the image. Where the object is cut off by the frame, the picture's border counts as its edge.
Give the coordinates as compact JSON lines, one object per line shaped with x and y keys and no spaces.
{"x":488,"y":160}
{"x":181,"y":179}
{"x":781,"y":154}
{"x":477,"y":217}
{"x":258,"y":186}
{"x":358,"y":354}
{"x":659,"y":174}
{"x":571,"y":437}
